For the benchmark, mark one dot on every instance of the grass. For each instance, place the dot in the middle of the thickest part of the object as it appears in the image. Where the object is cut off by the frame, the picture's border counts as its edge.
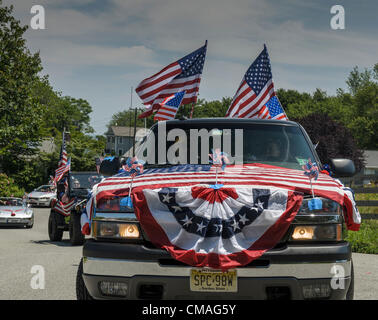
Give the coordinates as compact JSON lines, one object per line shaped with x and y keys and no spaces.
{"x":366,"y":239}
{"x":367,"y":196}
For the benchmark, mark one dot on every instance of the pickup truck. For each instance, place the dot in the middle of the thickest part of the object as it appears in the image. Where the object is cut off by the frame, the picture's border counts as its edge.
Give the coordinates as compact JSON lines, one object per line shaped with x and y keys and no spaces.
{"x":120,"y":261}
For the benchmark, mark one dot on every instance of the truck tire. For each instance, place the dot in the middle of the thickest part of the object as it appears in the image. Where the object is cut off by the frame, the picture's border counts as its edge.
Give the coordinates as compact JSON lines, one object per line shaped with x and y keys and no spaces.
{"x":55,"y":219}
{"x":350,"y":292}
{"x":76,"y":237}
{"x":81,"y":290}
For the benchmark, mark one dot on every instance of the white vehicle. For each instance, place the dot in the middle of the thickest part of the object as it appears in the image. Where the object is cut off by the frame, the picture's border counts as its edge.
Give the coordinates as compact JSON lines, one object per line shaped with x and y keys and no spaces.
{"x":15,"y":212}
{"x":42,"y":196}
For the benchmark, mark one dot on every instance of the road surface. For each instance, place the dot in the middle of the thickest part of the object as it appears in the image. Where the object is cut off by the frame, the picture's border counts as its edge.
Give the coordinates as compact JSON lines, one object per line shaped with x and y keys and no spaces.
{"x":21,"y":249}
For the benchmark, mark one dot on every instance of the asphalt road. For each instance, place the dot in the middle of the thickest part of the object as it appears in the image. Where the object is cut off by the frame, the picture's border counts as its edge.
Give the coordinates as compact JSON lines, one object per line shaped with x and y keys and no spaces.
{"x":21,"y":249}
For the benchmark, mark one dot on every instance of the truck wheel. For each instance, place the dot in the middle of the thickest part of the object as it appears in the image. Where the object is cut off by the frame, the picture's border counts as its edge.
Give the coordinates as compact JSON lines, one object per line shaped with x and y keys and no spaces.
{"x":55,"y":220}
{"x":76,"y":237}
{"x":81,"y":290}
{"x":350,"y":292}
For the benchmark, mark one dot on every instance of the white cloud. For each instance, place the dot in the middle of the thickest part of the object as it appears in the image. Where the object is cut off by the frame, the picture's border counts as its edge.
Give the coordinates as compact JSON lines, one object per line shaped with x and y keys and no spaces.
{"x":72,"y":54}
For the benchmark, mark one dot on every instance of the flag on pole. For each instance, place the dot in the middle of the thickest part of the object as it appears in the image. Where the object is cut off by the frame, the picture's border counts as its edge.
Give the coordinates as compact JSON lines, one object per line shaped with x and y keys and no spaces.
{"x":255,"y":90}
{"x":62,"y":170}
{"x":169,"y":106}
{"x":63,"y":152}
{"x":272,"y":110}
{"x":182,"y":75}
{"x":62,"y":164}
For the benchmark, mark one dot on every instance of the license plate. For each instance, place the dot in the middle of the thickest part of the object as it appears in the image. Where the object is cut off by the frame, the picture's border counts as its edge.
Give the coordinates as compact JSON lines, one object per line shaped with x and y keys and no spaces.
{"x":207,"y":280}
{"x":14,"y":220}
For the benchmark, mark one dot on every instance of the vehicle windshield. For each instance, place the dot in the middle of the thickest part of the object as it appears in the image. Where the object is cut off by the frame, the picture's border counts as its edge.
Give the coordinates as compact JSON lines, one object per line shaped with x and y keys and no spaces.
{"x":45,"y":189}
{"x":272,"y":144}
{"x":11,"y":202}
{"x":84,"y":180}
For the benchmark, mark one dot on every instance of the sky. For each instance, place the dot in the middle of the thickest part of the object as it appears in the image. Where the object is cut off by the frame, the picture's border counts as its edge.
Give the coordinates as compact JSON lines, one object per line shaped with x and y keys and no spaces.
{"x":99,"y":49}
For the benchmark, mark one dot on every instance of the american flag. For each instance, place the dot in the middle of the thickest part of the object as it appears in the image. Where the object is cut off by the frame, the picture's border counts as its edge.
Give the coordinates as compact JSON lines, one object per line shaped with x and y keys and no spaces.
{"x":86,"y":216}
{"x":272,"y":110}
{"x":227,"y":227}
{"x":62,"y":164}
{"x":63,"y":152}
{"x":182,"y":75}
{"x":64,"y":208}
{"x":62,"y":170}
{"x":169,"y":107}
{"x":255,"y":90}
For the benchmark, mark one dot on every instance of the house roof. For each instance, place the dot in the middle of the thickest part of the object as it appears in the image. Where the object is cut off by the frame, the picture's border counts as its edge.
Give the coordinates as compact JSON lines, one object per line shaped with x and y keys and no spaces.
{"x":123,"y":131}
{"x":47,"y":145}
{"x":371,"y":157}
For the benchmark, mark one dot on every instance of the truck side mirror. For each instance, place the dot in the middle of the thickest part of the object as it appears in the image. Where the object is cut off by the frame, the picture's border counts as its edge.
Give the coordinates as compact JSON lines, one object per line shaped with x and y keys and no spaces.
{"x":110,"y":166}
{"x":342,"y":167}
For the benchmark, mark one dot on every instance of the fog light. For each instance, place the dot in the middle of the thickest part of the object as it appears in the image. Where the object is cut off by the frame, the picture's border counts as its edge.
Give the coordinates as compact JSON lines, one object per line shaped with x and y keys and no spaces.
{"x":116,"y":289}
{"x":316,"y":291}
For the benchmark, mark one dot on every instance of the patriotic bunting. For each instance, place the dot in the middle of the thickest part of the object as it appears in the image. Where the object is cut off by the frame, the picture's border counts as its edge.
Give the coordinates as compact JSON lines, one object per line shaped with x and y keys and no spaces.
{"x":226,"y":227}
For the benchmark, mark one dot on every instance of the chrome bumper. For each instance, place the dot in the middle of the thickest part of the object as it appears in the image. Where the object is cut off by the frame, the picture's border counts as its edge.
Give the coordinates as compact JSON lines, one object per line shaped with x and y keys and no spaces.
{"x":131,"y":268}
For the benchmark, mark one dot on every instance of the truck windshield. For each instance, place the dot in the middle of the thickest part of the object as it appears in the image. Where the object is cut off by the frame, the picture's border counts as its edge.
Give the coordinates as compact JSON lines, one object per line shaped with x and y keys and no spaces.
{"x":283,"y":146}
{"x":278,"y":145}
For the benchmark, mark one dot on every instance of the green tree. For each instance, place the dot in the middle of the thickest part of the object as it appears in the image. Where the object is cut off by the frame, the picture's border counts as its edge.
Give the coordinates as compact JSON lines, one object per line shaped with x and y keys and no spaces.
{"x":20,"y":112}
{"x":334,"y":139}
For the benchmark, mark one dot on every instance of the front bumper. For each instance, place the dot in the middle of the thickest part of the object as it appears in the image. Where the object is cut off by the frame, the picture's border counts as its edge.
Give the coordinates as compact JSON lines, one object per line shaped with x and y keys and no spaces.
{"x":291,"y":267}
{"x":39,"y":203}
{"x":14,"y":222}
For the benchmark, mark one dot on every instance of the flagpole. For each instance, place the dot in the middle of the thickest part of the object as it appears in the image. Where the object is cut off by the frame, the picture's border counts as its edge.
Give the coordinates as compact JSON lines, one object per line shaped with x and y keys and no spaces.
{"x":135,"y":119}
{"x":191,"y":113}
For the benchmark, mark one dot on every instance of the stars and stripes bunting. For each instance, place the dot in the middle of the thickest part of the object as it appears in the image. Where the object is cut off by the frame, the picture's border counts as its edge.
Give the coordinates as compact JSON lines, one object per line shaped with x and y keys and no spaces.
{"x":220,"y":228}
{"x":182,"y":75}
{"x":252,"y":175}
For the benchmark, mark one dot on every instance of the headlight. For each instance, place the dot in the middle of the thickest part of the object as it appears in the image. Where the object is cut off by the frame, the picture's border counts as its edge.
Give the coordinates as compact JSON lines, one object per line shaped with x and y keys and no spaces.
{"x":332,"y":232}
{"x":324,"y":224}
{"x":116,"y":230}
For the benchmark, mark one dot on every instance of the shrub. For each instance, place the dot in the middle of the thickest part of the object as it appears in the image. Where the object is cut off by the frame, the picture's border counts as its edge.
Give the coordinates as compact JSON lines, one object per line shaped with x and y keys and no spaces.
{"x":335,"y":140}
{"x":366,"y":239}
{"x":8,"y":188}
